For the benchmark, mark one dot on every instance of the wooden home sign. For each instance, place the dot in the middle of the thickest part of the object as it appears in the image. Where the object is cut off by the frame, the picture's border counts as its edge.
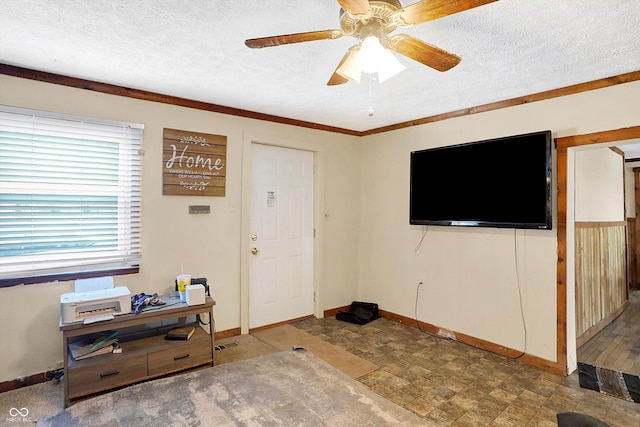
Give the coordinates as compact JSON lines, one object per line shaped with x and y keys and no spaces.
{"x":193,"y":163}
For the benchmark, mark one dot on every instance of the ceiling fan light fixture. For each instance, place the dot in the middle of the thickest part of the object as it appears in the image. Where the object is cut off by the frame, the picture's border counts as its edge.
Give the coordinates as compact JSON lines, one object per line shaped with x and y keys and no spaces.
{"x":389,"y":67}
{"x":350,"y":68}
{"x":370,"y":57}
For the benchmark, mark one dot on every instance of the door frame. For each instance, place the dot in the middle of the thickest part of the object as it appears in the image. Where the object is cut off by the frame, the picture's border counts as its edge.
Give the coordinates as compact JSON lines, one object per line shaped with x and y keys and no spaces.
{"x":565,"y":286}
{"x":245,"y":228}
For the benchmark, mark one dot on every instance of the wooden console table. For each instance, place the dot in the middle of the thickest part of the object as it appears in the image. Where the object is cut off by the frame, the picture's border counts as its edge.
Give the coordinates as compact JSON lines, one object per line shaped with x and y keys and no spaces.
{"x":144,"y":355}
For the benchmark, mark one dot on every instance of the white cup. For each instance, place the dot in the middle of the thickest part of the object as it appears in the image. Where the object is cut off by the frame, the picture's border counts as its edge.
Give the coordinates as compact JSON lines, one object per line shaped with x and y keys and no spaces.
{"x":184,"y":280}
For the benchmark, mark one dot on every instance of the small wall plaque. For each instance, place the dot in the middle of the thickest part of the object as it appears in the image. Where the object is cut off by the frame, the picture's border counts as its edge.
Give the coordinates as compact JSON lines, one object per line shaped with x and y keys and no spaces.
{"x":199,"y":209}
{"x":193,"y":163}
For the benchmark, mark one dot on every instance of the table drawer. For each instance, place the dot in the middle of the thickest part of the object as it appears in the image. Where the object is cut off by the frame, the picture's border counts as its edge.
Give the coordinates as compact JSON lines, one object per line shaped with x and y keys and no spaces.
{"x":181,"y":355}
{"x":112,"y":371}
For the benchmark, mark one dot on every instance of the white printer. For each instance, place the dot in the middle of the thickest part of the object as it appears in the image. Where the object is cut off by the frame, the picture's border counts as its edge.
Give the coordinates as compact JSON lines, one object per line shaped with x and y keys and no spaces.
{"x":93,"y":303}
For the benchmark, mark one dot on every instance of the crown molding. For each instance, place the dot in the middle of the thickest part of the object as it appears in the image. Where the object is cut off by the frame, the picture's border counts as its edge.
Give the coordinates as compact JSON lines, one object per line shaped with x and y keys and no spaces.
{"x":42,"y":76}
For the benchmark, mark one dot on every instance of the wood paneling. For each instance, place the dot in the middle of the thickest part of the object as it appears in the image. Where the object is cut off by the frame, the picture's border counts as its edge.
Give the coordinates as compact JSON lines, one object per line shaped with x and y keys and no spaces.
{"x":632,"y":254}
{"x":601,"y":272}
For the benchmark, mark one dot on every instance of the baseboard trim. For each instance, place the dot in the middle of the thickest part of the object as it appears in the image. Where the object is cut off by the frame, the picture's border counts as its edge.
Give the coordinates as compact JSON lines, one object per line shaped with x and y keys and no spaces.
{"x":227,"y":334}
{"x":25,"y":381}
{"x":332,"y":312}
{"x":262,"y":328}
{"x":547,"y":365}
{"x":536,"y":361}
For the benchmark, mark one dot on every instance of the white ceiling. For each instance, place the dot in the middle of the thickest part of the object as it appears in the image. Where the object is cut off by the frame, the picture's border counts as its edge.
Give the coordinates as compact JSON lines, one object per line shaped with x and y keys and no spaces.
{"x":195,"y":49}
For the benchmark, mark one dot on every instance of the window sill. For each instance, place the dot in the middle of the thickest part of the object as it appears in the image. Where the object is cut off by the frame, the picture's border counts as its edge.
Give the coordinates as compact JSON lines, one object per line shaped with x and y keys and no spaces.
{"x":64,"y":277}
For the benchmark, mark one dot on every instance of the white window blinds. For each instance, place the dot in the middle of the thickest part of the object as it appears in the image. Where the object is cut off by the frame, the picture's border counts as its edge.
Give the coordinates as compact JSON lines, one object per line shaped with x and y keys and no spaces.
{"x":69,"y":194}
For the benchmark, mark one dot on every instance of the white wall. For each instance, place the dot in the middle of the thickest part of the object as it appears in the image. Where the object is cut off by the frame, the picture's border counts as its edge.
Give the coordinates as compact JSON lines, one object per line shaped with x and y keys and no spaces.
{"x":368,"y":248}
{"x":469,"y":275}
{"x":599,"y":185}
{"x":206,"y":245}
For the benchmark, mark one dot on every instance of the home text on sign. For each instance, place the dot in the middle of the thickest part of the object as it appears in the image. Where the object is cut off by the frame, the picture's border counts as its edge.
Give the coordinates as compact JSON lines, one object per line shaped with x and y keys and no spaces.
{"x":193,"y":163}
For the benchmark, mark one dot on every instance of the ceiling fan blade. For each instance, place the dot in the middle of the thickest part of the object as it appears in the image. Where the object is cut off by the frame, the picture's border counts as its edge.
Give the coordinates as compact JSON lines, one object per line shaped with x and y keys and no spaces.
{"x":428,"y":10}
{"x":293,"y":38}
{"x":337,"y":79}
{"x":422,"y":52}
{"x":354,"y":6}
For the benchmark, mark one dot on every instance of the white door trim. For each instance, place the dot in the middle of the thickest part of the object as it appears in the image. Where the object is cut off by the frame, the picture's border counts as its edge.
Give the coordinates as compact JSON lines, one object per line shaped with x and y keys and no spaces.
{"x":245,"y":233}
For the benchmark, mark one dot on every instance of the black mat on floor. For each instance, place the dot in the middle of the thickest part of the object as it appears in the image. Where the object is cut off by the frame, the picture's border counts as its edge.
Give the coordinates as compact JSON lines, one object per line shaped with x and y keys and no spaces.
{"x":615,"y":383}
{"x":359,"y":313}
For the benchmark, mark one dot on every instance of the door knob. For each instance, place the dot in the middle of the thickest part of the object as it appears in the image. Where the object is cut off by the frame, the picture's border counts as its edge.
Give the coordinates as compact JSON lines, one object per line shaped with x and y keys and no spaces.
{"x":254,"y":237}
{"x":254,"y":251}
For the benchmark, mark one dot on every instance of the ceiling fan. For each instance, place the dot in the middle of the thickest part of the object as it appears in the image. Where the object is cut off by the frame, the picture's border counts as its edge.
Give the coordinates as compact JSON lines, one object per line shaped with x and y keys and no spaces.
{"x":373,"y":21}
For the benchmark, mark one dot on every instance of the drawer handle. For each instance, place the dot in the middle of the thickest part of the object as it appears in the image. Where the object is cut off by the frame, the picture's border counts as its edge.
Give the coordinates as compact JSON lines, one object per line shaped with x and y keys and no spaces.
{"x":109,"y":374}
{"x":184,"y":356}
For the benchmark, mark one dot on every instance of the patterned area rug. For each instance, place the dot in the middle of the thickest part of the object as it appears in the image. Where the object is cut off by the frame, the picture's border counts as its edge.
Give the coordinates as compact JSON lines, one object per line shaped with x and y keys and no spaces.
{"x":614,"y":383}
{"x":279,"y":389}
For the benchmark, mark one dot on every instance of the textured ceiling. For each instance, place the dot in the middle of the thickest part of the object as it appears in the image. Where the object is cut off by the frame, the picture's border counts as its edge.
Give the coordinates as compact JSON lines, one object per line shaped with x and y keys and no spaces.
{"x":195,"y":49}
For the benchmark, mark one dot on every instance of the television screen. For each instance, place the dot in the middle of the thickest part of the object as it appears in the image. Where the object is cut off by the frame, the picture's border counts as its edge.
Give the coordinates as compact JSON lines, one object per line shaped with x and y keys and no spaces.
{"x":503,"y":182}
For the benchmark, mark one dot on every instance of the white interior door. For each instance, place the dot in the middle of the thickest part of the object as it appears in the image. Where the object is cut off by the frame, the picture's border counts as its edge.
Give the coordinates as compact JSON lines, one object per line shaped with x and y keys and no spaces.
{"x":281,"y":265}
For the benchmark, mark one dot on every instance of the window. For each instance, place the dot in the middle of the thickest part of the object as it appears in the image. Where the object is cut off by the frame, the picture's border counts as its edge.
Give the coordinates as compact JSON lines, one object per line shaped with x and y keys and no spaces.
{"x":69,"y":197}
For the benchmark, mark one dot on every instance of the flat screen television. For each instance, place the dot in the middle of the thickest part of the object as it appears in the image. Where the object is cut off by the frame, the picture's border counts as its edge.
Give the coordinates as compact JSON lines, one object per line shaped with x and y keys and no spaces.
{"x":502,"y":182}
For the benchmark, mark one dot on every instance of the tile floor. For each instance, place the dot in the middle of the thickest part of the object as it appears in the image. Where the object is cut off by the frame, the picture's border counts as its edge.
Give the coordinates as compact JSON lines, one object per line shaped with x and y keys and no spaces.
{"x":617,"y":346}
{"x":441,"y":380}
{"x":457,"y":385}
